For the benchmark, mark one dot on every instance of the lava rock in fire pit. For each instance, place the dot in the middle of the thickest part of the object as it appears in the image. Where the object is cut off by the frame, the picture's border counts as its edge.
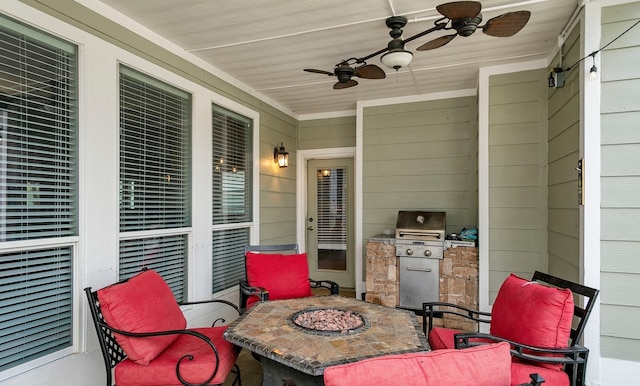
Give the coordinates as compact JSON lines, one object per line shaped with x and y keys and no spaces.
{"x":328,"y":319}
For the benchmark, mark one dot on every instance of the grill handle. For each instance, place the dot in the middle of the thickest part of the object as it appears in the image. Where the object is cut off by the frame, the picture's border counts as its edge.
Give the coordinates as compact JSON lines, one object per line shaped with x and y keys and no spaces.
{"x":419,"y":234}
{"x":418,"y":269}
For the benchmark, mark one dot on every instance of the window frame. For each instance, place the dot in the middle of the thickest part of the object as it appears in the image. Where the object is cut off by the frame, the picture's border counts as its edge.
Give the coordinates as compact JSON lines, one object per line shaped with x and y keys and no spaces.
{"x":70,"y":241}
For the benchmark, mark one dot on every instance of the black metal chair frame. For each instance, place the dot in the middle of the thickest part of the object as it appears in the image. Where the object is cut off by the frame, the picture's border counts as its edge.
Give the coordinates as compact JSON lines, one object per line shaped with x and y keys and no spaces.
{"x":574,"y":357}
{"x":262,"y":293}
{"x":113,"y":354}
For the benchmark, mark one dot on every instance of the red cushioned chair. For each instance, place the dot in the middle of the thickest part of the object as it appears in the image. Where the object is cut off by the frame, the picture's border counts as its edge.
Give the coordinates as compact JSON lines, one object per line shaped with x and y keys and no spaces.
{"x":538,"y":318}
{"x":487,"y":365}
{"x":273,"y":276}
{"x":144,"y":339}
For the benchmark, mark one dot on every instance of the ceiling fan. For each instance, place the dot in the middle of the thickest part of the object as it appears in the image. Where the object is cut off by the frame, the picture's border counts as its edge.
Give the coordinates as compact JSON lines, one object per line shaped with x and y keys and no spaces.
{"x":462,"y":16}
{"x":344,"y":72}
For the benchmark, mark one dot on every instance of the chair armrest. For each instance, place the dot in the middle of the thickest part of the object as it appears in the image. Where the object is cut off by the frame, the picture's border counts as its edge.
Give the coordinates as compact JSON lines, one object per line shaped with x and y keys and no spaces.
{"x":246,"y":291}
{"x":432,"y":310}
{"x":328,"y":284}
{"x":574,"y":355}
{"x":196,"y":334}
{"x":221,"y":301}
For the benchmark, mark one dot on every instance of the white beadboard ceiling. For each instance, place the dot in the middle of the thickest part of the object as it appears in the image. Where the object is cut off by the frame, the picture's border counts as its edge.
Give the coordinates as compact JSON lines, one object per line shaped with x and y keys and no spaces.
{"x":266,"y":44}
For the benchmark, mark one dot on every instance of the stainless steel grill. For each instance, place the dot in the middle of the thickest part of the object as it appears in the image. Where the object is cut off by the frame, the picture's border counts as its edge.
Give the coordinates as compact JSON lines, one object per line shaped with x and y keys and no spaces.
{"x":420,"y":246}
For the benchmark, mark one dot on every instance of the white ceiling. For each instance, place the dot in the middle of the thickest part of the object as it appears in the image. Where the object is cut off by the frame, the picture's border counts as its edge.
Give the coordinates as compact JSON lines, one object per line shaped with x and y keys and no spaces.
{"x":266,"y":44}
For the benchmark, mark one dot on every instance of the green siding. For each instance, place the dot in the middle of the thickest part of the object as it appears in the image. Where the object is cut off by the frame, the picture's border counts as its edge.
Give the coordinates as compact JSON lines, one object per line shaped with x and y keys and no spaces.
{"x":277,"y":186}
{"x":517,"y":175}
{"x":563,"y":156}
{"x":327,"y":133}
{"x":420,"y":156}
{"x":620,"y":179}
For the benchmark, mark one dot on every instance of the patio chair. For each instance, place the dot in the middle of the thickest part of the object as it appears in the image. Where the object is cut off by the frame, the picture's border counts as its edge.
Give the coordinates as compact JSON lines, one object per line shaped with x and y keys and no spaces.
{"x":144,"y":340}
{"x":271,"y":275}
{"x":538,"y":318}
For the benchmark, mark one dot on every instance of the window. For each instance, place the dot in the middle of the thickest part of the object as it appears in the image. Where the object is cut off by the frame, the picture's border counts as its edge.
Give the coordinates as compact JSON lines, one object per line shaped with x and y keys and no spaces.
{"x":155,"y":180}
{"x":232,"y":195}
{"x":38,"y":193}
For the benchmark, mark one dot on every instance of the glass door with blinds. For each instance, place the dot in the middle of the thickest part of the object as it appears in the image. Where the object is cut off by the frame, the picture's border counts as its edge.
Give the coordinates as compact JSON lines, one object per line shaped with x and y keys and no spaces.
{"x":329,"y":222}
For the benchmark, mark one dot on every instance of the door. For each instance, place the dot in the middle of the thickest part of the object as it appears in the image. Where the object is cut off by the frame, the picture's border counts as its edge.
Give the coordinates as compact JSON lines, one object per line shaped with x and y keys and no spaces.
{"x":329,"y":221}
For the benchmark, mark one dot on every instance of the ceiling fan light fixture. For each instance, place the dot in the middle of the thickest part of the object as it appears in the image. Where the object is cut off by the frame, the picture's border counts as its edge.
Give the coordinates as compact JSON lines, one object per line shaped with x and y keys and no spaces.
{"x":397,"y":58}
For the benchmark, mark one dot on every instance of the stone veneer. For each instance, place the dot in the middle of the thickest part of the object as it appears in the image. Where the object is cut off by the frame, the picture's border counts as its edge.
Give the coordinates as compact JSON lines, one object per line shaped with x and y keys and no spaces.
{"x":458,"y":279}
{"x":383,"y":276}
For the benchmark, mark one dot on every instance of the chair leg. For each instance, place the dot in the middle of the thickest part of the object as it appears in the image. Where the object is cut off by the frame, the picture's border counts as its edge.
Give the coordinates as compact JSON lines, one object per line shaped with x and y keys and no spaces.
{"x":237,"y":381}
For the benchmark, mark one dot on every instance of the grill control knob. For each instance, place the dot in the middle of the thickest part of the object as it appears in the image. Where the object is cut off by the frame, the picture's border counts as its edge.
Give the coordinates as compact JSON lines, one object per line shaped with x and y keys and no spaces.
{"x":427,"y":253}
{"x":409,"y":252}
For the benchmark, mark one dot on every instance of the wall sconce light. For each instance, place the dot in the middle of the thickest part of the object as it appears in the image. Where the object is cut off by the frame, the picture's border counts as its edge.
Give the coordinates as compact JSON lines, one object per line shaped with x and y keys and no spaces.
{"x":280,"y":156}
{"x":556,"y":78}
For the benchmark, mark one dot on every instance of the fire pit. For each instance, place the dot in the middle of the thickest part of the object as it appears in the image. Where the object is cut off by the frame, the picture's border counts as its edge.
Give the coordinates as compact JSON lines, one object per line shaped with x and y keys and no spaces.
{"x":299,"y":354}
{"x":329,"y":321}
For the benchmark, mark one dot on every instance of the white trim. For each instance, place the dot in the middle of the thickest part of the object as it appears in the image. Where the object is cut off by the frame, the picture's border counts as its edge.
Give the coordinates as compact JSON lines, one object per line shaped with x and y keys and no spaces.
{"x":333,"y":114}
{"x":301,"y":195}
{"x":415,"y":98}
{"x":483,"y":169}
{"x":590,"y":140}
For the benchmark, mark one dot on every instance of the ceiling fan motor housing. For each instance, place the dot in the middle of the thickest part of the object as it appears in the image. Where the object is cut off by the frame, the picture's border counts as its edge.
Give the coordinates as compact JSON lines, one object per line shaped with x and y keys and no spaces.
{"x":466,"y":26}
{"x":344,"y":73}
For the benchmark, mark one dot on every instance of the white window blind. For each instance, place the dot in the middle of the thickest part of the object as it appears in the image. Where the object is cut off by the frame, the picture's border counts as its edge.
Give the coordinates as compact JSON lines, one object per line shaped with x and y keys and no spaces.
{"x":155,"y":176}
{"x":232,"y":176}
{"x":332,"y":207}
{"x":38,"y":192}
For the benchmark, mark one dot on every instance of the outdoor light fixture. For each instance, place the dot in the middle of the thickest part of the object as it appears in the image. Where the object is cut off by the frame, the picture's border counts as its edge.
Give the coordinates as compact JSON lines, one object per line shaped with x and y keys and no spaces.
{"x":593,"y":73}
{"x":280,"y":156}
{"x":556,"y":78}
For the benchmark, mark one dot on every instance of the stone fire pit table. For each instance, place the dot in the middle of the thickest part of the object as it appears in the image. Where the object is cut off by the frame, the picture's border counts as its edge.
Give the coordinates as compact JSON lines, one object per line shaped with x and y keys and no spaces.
{"x":291,"y":352}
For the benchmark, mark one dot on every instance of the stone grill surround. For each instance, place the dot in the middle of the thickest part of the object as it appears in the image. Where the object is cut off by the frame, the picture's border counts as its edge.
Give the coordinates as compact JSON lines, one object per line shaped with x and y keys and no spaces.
{"x":458,"y":279}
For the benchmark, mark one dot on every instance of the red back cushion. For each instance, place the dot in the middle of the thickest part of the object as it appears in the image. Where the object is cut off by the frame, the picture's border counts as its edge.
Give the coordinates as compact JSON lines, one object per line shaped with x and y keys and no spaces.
{"x":284,"y":276}
{"x":144,"y":303}
{"x":532,"y":314}
{"x":487,"y":365}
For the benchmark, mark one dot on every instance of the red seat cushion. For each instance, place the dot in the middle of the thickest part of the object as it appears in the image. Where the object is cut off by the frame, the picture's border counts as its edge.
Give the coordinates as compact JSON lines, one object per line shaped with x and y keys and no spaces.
{"x":487,"y":365}
{"x":144,"y":303}
{"x":441,"y":338}
{"x":444,"y":338}
{"x":553,"y":377}
{"x":532,"y":314}
{"x":162,"y":370}
{"x":284,"y":276}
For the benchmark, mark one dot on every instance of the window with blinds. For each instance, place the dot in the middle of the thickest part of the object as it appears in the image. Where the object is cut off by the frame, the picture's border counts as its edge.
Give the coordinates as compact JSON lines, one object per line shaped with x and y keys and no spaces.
{"x":332,"y":208}
{"x":155,"y":176}
{"x":232,"y":177}
{"x":38,"y":192}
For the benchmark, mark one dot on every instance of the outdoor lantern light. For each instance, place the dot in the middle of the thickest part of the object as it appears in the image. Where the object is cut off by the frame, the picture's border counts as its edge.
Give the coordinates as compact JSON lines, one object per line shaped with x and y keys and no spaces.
{"x":280,"y":156}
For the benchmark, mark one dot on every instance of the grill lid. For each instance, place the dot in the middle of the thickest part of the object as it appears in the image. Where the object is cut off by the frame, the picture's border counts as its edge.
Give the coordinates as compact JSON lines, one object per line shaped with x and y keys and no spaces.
{"x":418,"y":225}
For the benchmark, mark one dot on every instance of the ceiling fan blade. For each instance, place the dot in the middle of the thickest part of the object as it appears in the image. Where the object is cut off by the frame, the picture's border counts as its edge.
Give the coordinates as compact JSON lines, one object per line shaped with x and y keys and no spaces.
{"x":436,"y":43}
{"x":347,"y":84}
{"x":460,"y":9}
{"x":506,"y":25}
{"x":370,"y":71}
{"x":318,"y":71}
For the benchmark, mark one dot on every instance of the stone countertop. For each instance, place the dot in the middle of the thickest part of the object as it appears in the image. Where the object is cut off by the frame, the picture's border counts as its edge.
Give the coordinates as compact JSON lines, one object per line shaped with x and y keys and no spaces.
{"x":265,"y":330}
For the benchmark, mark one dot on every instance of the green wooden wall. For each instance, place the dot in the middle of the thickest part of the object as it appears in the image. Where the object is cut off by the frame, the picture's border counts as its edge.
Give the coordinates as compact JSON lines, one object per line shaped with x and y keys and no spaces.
{"x":517,"y":175}
{"x":420,"y":156}
{"x":620,"y":179}
{"x":327,"y":133}
{"x":564,"y":153}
